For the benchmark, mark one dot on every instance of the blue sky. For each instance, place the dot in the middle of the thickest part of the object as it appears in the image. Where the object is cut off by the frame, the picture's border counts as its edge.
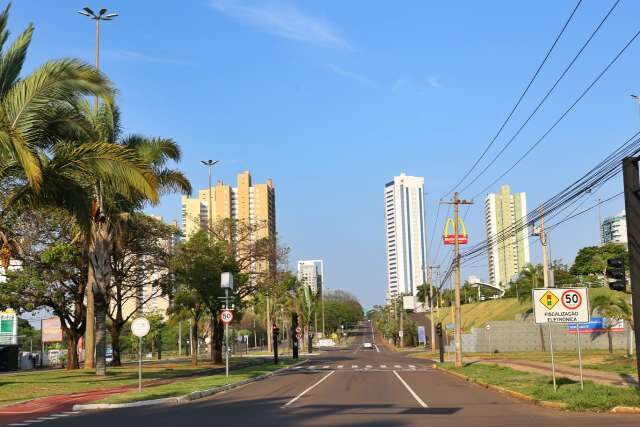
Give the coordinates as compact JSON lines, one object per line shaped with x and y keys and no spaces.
{"x":332,"y":99}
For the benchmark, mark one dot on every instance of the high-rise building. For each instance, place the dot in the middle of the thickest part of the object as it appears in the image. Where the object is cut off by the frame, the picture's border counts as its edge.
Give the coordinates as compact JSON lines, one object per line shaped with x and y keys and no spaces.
{"x":505,"y":213}
{"x":404,"y":218}
{"x":310,"y":274}
{"x":254,"y":204}
{"x":614,"y":229}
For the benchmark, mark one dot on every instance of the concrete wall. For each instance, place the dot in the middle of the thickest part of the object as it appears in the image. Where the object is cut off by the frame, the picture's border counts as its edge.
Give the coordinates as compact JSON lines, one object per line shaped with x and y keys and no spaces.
{"x":525,"y":335}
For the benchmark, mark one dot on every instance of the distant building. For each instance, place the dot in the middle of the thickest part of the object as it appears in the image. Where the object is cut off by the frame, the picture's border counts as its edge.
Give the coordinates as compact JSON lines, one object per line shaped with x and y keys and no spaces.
{"x":404,"y":218}
{"x":310,"y":274}
{"x":505,"y":213}
{"x":614,"y":229}
{"x":254,"y":204}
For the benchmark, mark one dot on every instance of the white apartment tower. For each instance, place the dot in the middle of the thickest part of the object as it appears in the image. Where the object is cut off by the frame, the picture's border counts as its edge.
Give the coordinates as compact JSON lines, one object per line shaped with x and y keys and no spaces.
{"x":310,"y":274}
{"x":404,"y":220}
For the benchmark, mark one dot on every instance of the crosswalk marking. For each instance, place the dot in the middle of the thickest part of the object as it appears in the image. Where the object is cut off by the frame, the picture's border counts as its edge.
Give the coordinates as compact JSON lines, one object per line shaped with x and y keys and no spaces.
{"x":325,"y":367}
{"x":397,"y":366}
{"x":368,"y":366}
{"x":383,"y":366}
{"x":354,"y":366}
{"x":340,"y":366}
{"x":312,"y":367}
{"x":412,"y":366}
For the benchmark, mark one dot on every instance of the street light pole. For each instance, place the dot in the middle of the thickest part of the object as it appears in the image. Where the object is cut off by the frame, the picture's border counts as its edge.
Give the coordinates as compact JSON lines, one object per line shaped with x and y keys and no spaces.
{"x":210,"y":164}
{"x":89,"y":356}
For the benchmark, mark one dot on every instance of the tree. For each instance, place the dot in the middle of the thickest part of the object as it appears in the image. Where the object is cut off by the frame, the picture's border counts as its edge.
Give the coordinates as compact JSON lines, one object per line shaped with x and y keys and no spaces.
{"x":307,"y":302}
{"x":341,"y":308}
{"x":592,"y":260}
{"x":612,"y":306}
{"x":140,"y":260}
{"x":53,"y":274}
{"x":197,"y":266}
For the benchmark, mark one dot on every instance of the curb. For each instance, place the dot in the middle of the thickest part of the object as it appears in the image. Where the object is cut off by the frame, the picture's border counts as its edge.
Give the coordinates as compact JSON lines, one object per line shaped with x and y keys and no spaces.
{"x":625,"y":410}
{"x":195,"y":395}
{"x":502,"y":390}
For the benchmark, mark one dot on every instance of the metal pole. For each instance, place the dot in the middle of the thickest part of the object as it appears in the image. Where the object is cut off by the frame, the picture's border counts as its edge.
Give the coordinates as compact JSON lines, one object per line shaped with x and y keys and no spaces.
{"x":401,"y":322}
{"x":226,"y":333}
{"x":210,"y":204}
{"x":323,"y":288}
{"x":632,"y":206}
{"x":458,"y":314}
{"x":543,"y":242}
{"x":180,"y":338}
{"x":553,"y":364}
{"x":42,"y":345}
{"x":580,"y":356}
{"x":140,"y":364}
{"x":433,"y":327}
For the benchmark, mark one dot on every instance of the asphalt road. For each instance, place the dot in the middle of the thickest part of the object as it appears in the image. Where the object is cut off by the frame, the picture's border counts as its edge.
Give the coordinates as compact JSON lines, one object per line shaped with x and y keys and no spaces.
{"x":351,"y":387}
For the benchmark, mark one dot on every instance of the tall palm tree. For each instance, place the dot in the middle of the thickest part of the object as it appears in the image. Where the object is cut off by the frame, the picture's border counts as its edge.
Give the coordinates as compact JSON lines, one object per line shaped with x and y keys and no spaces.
{"x":112,"y":202}
{"x":307,"y":302}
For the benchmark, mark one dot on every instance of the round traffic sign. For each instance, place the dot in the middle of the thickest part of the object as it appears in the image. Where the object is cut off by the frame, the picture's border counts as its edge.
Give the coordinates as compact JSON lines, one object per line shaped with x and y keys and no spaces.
{"x":571,"y":299}
{"x":140,"y":327}
{"x":298,"y":329}
{"x":299,"y":336}
{"x":488,"y":327}
{"x":226,"y":316}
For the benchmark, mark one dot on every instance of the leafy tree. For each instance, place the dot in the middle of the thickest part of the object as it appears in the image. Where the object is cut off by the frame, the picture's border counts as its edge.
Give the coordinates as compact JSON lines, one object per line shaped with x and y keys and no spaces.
{"x":53,"y":274}
{"x":592,"y":260}
{"x":307,"y":304}
{"x":140,"y":259}
{"x":341,"y":308}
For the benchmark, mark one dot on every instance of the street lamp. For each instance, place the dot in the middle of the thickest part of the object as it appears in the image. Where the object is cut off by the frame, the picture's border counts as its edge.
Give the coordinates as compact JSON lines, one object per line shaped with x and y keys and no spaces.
{"x":90,"y":328}
{"x":101,"y":16}
{"x":210,"y":164}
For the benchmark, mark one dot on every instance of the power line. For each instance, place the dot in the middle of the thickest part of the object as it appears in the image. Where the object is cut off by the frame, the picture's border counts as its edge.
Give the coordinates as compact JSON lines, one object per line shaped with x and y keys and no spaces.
{"x":546,"y":96}
{"x":522,"y":95}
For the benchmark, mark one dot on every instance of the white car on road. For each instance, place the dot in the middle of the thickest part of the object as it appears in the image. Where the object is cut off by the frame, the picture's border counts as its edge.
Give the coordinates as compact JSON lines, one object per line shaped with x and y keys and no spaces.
{"x":367,"y":345}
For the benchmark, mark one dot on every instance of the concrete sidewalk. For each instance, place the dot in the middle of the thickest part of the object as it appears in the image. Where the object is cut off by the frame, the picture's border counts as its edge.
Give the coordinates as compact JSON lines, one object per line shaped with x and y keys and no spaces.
{"x":567,"y":371}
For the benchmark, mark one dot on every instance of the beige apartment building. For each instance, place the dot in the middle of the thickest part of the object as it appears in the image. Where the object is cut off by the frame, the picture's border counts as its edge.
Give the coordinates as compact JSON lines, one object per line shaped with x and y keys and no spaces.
{"x":251,"y":203}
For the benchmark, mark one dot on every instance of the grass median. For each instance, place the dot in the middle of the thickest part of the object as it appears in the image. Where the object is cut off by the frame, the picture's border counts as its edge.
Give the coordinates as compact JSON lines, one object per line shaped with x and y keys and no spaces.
{"x":595,"y":397}
{"x":188,"y":385}
{"x":21,"y":386}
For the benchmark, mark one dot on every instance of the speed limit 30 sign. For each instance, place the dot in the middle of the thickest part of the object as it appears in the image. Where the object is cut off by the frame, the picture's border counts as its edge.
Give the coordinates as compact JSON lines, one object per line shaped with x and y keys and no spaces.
{"x":569,"y":305}
{"x":226,"y":316}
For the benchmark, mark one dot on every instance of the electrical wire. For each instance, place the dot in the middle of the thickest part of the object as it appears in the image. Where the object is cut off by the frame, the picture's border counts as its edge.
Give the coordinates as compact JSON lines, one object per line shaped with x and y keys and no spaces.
{"x":517,"y":104}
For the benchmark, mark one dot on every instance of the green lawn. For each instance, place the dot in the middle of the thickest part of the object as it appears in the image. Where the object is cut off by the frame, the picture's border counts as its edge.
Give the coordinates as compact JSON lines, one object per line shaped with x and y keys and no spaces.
{"x":594,"y":397}
{"x":28,"y":385}
{"x":182,"y":387}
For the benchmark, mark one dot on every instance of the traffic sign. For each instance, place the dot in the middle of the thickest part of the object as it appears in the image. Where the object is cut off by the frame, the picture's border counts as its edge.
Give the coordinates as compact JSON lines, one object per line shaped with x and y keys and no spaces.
{"x":226,"y":316}
{"x":298,"y":329}
{"x":571,"y":305}
{"x":299,"y":336}
{"x":488,"y":327}
{"x":140,"y":327}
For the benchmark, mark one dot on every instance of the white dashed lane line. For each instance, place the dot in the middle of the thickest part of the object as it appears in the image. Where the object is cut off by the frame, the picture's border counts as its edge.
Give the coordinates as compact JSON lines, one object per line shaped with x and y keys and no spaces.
{"x":413,"y":393}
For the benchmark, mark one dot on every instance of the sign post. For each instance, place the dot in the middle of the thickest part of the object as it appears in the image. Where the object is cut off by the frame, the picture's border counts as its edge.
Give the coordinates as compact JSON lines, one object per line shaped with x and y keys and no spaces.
{"x":226,"y":282}
{"x":140,"y":327}
{"x":569,"y":305}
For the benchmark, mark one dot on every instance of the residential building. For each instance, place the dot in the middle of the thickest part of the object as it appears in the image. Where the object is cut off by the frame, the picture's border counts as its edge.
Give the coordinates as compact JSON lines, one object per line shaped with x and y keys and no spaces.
{"x":254,"y":203}
{"x":614,"y":229}
{"x":405,"y":234}
{"x":310,"y":273}
{"x":505,"y":214}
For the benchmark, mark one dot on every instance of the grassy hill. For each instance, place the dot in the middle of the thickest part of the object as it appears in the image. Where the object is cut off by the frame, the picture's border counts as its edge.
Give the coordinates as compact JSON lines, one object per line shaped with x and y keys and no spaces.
{"x":479,"y":314}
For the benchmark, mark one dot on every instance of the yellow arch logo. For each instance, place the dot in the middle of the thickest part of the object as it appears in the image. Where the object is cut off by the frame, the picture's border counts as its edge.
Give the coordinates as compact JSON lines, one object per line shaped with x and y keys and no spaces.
{"x":448,"y":235}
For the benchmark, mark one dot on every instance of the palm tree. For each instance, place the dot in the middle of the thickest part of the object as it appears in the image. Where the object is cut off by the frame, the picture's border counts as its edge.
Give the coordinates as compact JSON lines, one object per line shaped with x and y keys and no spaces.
{"x":307,"y":304}
{"x":612,"y":307}
{"x":113,"y":201}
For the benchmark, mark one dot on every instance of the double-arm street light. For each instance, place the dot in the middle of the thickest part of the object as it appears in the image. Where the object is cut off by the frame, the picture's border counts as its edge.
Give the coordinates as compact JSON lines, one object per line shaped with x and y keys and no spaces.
{"x":102,"y":15}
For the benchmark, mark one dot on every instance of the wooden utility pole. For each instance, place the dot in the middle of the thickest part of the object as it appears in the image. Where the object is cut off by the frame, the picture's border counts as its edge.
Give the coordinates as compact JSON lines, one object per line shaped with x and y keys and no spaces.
{"x":543,"y":242}
{"x":456,"y":259}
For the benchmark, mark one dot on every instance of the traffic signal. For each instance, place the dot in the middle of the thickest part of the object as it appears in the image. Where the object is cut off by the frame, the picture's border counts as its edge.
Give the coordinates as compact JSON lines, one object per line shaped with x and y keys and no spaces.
{"x":616,"y":275}
{"x":439,"y":329}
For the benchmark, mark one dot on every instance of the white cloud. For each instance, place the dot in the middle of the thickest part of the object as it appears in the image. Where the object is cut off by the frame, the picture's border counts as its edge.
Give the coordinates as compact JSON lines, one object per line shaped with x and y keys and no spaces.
{"x":283,"y":20}
{"x":434,"y":82}
{"x":119,"y":54}
{"x":364,"y":80}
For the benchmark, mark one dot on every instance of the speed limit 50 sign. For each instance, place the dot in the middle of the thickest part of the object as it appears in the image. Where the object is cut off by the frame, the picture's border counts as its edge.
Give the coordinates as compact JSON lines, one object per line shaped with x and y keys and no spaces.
{"x":569,"y":305}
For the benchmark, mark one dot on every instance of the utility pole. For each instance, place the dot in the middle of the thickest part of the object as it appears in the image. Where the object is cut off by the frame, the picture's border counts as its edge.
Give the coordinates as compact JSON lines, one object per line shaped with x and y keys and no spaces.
{"x":632,"y":207}
{"x":90,"y":337}
{"x":543,"y":242}
{"x":401,"y":322}
{"x":210,"y":164}
{"x":456,"y":259}
{"x":433,"y":326}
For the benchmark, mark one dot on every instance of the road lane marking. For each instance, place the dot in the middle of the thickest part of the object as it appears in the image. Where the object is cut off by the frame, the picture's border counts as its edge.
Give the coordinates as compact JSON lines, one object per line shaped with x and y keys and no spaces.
{"x":308,"y":389}
{"x":368,"y":367}
{"x":383,"y":366}
{"x":297,"y":367}
{"x":412,"y":366}
{"x":325,"y":367}
{"x":340,"y":366}
{"x":354,"y":366}
{"x":413,"y":393}
{"x":312,"y":367}
{"x":377,"y":349}
{"x":397,"y":366}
